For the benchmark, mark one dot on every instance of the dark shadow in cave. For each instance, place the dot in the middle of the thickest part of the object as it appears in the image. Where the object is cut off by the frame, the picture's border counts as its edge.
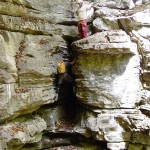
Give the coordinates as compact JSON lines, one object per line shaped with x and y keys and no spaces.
{"x":65,"y":88}
{"x":68,"y":142}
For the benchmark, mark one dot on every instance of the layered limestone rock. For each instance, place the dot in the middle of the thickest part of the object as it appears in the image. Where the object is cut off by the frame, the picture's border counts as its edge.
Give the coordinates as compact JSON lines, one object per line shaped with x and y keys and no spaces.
{"x":122,"y":19}
{"x":112,"y":105}
{"x":27,"y":72}
{"x":107,"y":72}
{"x":58,"y":11}
{"x":35,"y":26}
{"x":21,"y":131}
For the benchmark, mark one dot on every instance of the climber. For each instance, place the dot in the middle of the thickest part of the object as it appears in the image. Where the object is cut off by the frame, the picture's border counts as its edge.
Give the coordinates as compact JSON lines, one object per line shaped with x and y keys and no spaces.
{"x":65,"y":89}
{"x":82,"y":17}
{"x":64,"y":81}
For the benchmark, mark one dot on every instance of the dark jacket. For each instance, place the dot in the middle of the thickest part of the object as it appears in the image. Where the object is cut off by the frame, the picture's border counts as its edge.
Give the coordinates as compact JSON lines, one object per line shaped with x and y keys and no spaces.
{"x":65,"y":82}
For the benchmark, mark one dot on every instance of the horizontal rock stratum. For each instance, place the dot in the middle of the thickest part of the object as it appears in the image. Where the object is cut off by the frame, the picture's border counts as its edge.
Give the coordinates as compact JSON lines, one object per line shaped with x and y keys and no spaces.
{"x":111,"y":107}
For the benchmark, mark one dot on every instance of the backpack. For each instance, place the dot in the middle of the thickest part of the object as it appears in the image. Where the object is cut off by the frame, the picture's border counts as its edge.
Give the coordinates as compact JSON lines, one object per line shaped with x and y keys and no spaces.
{"x":61,"y":67}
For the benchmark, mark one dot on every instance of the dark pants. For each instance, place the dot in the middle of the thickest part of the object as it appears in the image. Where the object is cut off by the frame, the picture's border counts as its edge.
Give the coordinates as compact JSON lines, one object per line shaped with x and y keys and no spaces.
{"x":65,"y":90}
{"x":65,"y":85}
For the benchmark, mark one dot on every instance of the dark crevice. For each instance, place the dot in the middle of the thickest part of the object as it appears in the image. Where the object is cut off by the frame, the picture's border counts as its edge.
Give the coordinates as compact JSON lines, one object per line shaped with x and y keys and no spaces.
{"x":31,"y":32}
{"x":70,"y":39}
{"x":67,"y":96}
{"x":120,"y":25}
{"x":68,"y":23}
{"x":68,"y":142}
{"x":29,"y":55}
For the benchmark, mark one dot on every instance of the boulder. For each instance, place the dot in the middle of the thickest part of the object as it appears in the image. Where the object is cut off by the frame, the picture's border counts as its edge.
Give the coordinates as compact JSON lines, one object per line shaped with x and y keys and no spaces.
{"x":121,"y":4}
{"x":118,"y":127}
{"x":106,"y":71}
{"x":136,"y":20}
{"x":116,"y":21}
{"x":21,"y":131}
{"x":108,"y":12}
{"x":105,"y":24}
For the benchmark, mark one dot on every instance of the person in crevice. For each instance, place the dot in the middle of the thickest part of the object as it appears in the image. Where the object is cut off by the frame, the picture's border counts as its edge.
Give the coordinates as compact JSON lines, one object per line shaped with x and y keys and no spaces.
{"x":65,"y":86}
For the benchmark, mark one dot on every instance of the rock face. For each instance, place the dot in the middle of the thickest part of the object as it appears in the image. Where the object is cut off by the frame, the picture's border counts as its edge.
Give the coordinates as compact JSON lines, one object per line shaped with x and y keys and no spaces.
{"x":111,"y":70}
{"x":110,"y":73}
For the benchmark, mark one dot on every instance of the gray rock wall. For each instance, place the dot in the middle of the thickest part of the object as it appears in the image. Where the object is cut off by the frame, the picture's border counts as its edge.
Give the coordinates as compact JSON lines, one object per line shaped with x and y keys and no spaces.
{"x":112,"y":74}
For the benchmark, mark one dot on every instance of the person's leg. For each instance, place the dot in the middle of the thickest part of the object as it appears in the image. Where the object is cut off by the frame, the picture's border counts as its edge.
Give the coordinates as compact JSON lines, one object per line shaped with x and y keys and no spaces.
{"x":80,"y":29}
{"x":84,"y":29}
{"x":82,"y":25}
